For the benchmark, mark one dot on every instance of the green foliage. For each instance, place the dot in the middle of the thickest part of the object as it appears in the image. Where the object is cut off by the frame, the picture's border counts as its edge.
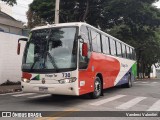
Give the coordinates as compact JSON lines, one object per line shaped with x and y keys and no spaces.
{"x":10,"y":2}
{"x":136,"y":23}
{"x":70,"y":11}
{"x":131,"y":12}
{"x":40,"y":12}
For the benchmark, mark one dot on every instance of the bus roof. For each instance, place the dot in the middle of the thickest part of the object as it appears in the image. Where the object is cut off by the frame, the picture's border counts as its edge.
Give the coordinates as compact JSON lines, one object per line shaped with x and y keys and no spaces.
{"x":78,"y":24}
{"x":59,"y":25}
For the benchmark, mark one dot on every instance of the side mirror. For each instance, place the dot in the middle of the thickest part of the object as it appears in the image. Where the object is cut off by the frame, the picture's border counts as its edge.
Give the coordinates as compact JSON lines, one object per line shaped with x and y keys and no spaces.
{"x":19,"y":44}
{"x":23,"y":39}
{"x":84,"y":49}
{"x":18,"y":48}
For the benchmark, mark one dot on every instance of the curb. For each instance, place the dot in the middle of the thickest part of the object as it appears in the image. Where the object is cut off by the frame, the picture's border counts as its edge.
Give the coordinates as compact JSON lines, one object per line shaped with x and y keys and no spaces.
{"x":10,"y":89}
{"x":147,"y":79}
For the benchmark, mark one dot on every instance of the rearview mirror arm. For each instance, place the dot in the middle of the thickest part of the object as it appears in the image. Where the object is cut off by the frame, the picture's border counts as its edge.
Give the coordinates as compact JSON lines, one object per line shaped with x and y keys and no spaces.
{"x":22,"y":39}
{"x":81,"y":39}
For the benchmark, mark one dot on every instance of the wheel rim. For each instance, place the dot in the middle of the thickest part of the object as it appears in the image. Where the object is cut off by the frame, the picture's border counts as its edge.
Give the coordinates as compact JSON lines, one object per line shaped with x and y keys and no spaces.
{"x":97,"y":88}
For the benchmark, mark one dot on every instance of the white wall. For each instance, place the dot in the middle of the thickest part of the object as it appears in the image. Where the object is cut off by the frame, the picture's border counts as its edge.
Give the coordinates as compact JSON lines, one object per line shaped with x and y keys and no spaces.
{"x":153,"y":73}
{"x":10,"y":62}
{"x":156,"y":70}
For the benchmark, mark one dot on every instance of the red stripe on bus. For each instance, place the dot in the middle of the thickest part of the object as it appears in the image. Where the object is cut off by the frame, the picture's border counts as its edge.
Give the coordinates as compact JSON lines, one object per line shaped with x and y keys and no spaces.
{"x":108,"y":66}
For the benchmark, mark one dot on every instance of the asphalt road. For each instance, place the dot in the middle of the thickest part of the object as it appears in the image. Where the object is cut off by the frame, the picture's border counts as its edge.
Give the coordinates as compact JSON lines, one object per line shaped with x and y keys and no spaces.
{"x":143,"y":96}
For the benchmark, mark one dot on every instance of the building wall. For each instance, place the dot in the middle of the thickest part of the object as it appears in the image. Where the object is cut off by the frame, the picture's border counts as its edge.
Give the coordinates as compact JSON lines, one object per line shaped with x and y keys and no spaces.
{"x":11,"y":22}
{"x":10,"y":25}
{"x":5,"y":28}
{"x":158,"y":73}
{"x":11,"y":29}
{"x":10,"y":62}
{"x":153,"y":71}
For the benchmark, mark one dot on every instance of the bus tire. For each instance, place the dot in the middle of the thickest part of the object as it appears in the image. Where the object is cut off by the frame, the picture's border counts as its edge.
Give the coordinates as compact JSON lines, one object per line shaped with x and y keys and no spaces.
{"x":129,"y":84}
{"x":97,"y":89}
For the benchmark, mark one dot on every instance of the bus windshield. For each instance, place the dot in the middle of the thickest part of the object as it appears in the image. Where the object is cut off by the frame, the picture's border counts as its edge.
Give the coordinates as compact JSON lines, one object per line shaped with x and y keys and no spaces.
{"x":51,"y":49}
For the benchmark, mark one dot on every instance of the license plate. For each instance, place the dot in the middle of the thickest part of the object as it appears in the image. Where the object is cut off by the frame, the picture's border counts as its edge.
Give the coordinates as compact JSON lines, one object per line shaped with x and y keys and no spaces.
{"x":43,"y":89}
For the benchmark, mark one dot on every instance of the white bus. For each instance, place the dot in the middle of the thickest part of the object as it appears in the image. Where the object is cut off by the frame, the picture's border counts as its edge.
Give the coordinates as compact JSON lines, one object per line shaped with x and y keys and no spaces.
{"x":75,"y":59}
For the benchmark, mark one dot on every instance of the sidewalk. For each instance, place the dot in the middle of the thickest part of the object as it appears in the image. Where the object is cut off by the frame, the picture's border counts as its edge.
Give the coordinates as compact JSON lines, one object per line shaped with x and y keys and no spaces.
{"x":149,"y":79}
{"x":10,"y":88}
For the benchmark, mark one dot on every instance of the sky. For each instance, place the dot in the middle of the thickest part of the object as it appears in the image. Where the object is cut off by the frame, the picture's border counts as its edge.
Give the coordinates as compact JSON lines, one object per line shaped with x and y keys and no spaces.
{"x":19,"y":10}
{"x":157,"y":4}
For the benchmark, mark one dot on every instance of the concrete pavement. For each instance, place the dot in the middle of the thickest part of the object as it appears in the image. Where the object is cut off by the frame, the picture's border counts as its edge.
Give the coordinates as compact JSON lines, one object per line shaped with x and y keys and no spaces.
{"x":143,"y":96}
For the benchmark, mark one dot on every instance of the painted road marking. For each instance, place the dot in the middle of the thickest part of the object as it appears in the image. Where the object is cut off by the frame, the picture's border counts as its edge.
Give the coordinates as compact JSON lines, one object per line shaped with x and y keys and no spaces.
{"x":60,"y":114}
{"x":24,"y":94}
{"x":155,"y":106}
{"x":145,"y":82}
{"x":100,"y":102}
{"x":39,"y":96}
{"x":11,"y":93}
{"x":131,"y":103}
{"x":154,"y":82}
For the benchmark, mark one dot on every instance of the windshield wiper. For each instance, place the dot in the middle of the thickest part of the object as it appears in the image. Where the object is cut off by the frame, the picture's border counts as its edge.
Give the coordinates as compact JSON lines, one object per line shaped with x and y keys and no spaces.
{"x":36,"y":60}
{"x":52,"y":61}
{"x":34,"y":64}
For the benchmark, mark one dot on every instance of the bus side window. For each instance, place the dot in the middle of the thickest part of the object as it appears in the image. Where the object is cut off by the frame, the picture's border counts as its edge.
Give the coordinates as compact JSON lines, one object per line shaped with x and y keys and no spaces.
{"x":105,"y":44}
{"x":131,"y":53}
{"x":83,"y":61}
{"x":128,"y":52}
{"x":119,"y":50}
{"x":31,"y":51}
{"x":123,"y":51}
{"x":134,"y":54}
{"x":96,"y":43}
{"x":85,"y":35}
{"x":99,"y":43}
{"x":113,"y":47}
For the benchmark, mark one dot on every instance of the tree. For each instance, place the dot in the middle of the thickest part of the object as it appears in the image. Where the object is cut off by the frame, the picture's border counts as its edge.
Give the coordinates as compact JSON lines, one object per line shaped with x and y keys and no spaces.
{"x":137,"y":25}
{"x":10,"y":2}
{"x":33,"y":19}
{"x":40,"y":12}
{"x":102,"y":13}
{"x":70,"y":11}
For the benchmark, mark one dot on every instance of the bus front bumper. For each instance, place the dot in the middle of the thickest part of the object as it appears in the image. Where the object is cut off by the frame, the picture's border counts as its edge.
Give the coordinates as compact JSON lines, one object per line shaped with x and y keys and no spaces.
{"x":60,"y":89}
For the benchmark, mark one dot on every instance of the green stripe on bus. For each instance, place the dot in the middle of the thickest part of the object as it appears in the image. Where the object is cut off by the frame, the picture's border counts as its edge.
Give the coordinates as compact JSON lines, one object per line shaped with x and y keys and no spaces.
{"x":134,"y":69}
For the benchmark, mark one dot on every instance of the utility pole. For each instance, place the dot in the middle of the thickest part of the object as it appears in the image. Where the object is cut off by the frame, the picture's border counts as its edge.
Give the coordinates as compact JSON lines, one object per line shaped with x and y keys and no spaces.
{"x":57,"y":12}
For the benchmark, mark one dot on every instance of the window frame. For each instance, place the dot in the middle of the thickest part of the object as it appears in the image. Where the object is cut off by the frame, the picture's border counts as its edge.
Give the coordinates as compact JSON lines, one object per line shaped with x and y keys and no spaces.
{"x":89,"y":50}
{"x":89,"y":37}
{"x":106,"y":38}
{"x":90,"y":29}
{"x":113,"y":41}
{"x":128,"y":50}
{"x":120,"y":48}
{"x":124,"y":46}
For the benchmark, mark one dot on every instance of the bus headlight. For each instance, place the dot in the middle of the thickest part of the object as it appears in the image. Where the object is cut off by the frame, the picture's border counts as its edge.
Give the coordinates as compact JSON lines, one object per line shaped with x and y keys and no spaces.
{"x":25,"y":80}
{"x":67,"y":80}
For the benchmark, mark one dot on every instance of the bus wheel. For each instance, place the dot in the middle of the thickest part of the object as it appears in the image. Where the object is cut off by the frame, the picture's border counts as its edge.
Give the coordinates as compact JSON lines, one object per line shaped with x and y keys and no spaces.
{"x":97,"y":88}
{"x":129,"y":84}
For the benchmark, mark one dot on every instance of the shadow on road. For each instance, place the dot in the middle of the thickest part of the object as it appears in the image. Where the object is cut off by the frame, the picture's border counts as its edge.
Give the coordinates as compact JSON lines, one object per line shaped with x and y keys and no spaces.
{"x":67,"y":101}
